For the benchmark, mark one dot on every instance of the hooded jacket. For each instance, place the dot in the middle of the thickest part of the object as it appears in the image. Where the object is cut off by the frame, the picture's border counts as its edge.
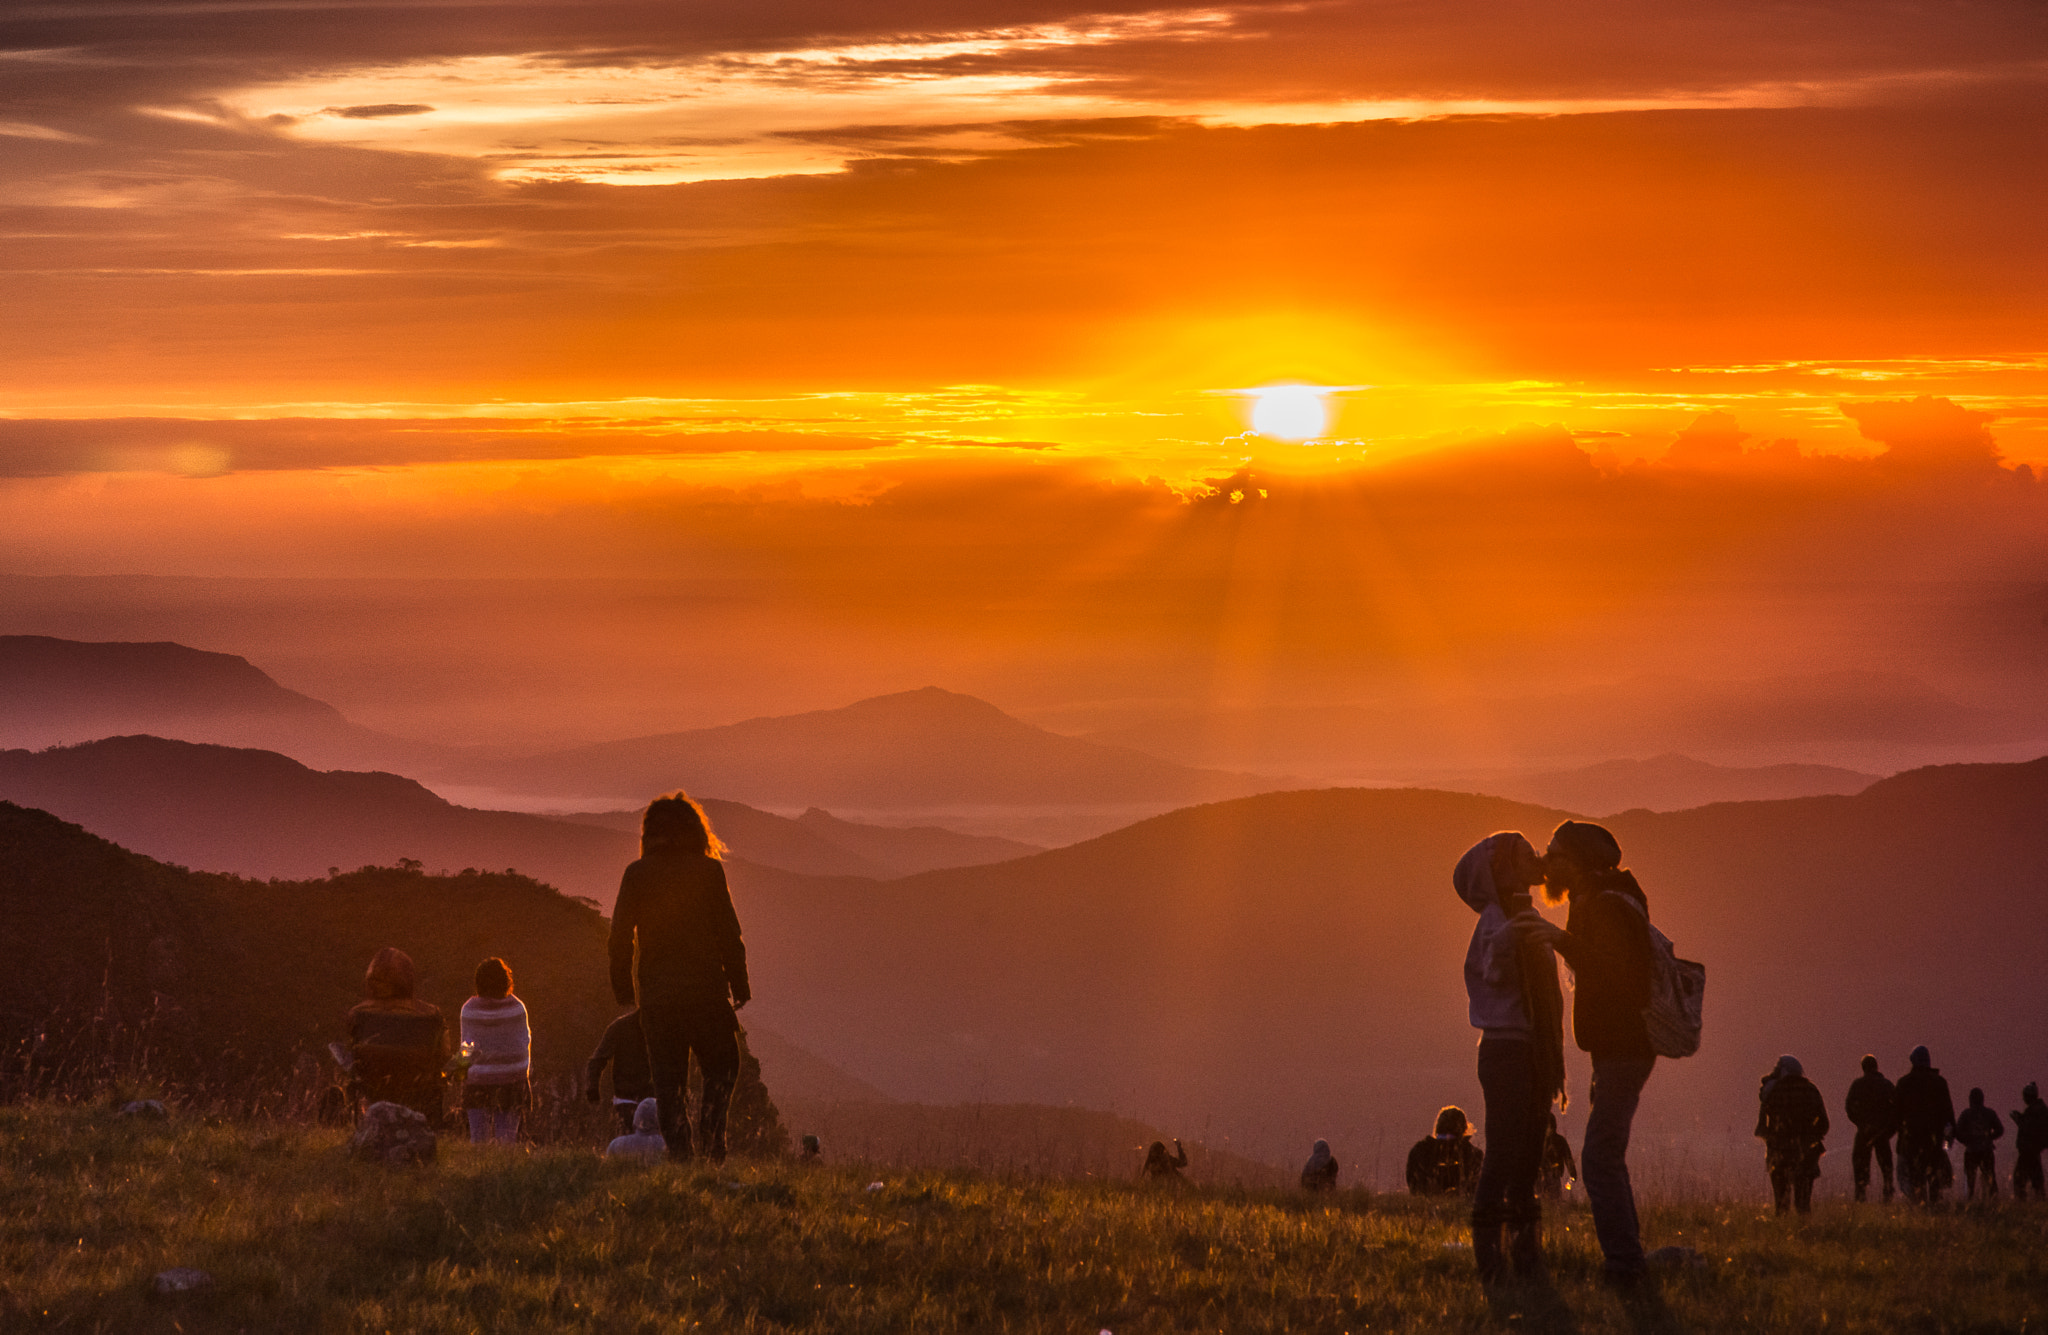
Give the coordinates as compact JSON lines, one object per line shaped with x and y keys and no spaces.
{"x":646,"y":1141}
{"x":1511,"y":988}
{"x":1926,"y":1111}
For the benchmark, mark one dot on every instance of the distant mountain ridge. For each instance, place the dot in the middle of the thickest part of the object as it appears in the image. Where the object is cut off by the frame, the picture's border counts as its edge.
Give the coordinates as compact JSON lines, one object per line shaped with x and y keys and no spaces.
{"x":56,"y":692}
{"x":257,"y":813}
{"x":1667,"y":783}
{"x":915,"y":750}
{"x":1288,"y":965}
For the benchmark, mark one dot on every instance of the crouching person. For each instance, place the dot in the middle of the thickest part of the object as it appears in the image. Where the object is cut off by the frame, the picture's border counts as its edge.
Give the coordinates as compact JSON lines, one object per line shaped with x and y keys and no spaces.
{"x":1515,"y":1003}
{"x":624,"y":1049}
{"x":644,"y":1140}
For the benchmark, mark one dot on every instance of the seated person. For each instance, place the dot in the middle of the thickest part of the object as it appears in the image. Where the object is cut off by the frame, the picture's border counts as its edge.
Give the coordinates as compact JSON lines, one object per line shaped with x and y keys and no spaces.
{"x":1320,"y":1172}
{"x":644,"y":1141}
{"x":1159,"y":1166}
{"x":1446,"y":1162}
{"x":397,"y":1044}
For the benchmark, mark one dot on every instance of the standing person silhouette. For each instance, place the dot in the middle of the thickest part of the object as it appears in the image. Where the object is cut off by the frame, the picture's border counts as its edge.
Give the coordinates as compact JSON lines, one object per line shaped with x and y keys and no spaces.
{"x":1792,"y":1122}
{"x":1927,"y":1123}
{"x":1606,"y":941}
{"x":691,"y":969}
{"x":1977,"y":1131}
{"x":1513,"y":1000}
{"x":2029,"y":1138}
{"x":1873,"y":1108}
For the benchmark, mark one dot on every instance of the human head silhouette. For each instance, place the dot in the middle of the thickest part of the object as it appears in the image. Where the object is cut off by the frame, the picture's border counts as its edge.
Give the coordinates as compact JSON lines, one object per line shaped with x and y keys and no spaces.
{"x":1869,"y":1064}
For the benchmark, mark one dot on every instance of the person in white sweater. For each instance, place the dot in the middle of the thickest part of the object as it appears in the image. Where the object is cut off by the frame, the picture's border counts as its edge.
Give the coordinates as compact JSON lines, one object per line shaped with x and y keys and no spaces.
{"x":499,"y":1044}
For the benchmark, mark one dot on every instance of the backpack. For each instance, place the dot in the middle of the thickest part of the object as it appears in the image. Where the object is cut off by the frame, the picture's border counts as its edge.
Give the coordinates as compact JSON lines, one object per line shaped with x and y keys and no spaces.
{"x":1678,"y":994}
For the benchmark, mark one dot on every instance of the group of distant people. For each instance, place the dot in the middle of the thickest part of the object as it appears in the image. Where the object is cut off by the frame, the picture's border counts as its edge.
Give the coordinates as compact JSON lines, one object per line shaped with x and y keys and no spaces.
{"x":675,"y":956}
{"x":1792,"y":1121}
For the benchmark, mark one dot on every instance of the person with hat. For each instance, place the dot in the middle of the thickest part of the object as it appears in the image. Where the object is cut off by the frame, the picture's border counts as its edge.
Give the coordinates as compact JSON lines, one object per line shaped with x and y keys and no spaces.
{"x":1792,"y":1122}
{"x":1873,"y":1109}
{"x":1927,"y":1124}
{"x":1606,"y":941}
{"x":2029,"y":1138}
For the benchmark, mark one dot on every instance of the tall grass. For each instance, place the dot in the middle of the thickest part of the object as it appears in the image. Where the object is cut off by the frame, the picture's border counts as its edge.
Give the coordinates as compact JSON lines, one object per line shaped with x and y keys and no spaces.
{"x":553,"y":1237}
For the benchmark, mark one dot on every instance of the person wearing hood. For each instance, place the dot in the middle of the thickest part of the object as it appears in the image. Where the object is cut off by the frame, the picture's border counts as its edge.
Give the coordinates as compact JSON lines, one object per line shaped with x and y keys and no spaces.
{"x":2029,"y":1138}
{"x":1606,"y":941}
{"x":1514,"y":1001}
{"x":1792,"y":1122}
{"x":1446,"y":1162}
{"x":397,"y":1044}
{"x":1320,"y":1172}
{"x":644,"y":1140}
{"x":1873,"y":1108}
{"x":1977,"y":1130}
{"x":1927,"y":1123}
{"x":675,"y":947}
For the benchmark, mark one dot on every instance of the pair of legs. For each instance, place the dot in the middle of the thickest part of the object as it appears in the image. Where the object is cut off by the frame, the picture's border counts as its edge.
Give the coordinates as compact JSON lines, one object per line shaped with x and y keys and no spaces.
{"x":674,"y":1033}
{"x":2026,"y":1173}
{"x":1516,"y":1129}
{"x":1921,"y":1163}
{"x":1603,"y":1162}
{"x":1980,"y":1168}
{"x":493,"y":1126}
{"x":1869,"y":1143}
{"x":1792,"y":1186}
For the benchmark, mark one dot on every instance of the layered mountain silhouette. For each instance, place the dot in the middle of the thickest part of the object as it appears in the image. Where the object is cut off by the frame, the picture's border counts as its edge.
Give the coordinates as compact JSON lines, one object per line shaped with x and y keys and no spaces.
{"x":1288,"y":965}
{"x":55,"y":692}
{"x":923,"y":750}
{"x":225,"y":984}
{"x":1666,"y":783}
{"x":260,"y":814}
{"x":820,"y":843}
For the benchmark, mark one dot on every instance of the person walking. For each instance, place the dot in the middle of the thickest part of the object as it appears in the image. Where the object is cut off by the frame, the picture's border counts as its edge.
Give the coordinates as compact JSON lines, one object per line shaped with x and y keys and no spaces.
{"x":498,"y":1039}
{"x":1792,"y":1122}
{"x":675,"y":946}
{"x":1606,"y":941}
{"x":1927,"y":1123}
{"x":1977,"y":1130}
{"x":1873,"y":1109}
{"x":1514,"y":1001}
{"x":2029,"y":1138}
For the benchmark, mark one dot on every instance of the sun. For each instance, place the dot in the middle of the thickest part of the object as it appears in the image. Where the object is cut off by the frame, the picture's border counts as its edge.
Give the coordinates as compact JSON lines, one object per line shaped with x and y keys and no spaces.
{"x":1290,"y":412}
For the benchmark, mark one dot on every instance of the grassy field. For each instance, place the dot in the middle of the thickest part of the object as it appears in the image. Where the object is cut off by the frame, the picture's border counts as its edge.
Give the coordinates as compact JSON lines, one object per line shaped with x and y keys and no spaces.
{"x":300,"y":1239}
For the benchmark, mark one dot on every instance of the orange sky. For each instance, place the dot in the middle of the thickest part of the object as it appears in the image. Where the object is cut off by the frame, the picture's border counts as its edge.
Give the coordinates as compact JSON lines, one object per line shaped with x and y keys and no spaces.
{"x":777,"y":291}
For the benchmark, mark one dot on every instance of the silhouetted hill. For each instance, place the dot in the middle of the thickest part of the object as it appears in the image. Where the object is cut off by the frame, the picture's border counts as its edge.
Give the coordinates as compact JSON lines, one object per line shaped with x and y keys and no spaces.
{"x":918,"y":750}
{"x":819,"y":843}
{"x":907,"y":850}
{"x":260,"y":814}
{"x":223,"y":978}
{"x":54,"y":692}
{"x":1667,"y":783}
{"x":1289,"y":965}
{"x":257,"y":813}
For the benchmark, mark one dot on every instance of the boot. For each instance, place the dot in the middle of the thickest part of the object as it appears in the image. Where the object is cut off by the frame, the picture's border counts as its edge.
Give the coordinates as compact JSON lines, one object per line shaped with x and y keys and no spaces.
{"x":1861,"y":1189}
{"x":1486,"y":1253}
{"x":1525,"y":1249}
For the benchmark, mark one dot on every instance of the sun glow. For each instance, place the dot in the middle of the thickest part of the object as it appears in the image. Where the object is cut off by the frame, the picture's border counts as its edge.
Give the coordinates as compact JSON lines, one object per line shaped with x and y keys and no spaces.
{"x":1290,"y":412}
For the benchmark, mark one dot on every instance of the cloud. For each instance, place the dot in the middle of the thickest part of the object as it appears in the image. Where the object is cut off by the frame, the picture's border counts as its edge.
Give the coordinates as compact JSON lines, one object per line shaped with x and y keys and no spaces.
{"x":1927,"y":432}
{"x":378,"y":110}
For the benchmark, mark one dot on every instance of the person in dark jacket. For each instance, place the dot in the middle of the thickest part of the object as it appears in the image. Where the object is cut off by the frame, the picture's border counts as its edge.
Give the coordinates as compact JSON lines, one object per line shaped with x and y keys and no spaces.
{"x":1513,"y":1000}
{"x":1792,"y":1122}
{"x":1977,"y":1131}
{"x":1558,"y":1163}
{"x":675,"y":914}
{"x":1606,"y":941}
{"x":1927,"y":1123}
{"x":2029,"y":1138}
{"x":624,"y":1049}
{"x":1446,"y":1162}
{"x":1873,"y":1110}
{"x":1320,"y":1172}
{"x":397,"y":1044}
